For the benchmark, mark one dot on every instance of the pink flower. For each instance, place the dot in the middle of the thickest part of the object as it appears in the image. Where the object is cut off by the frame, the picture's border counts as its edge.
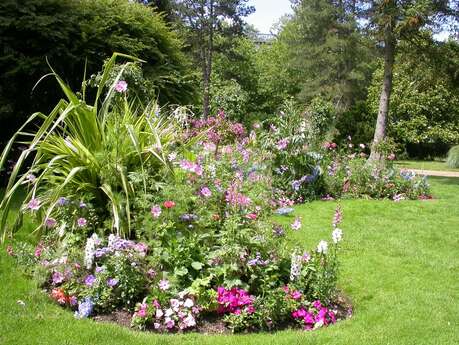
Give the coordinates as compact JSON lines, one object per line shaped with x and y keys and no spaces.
{"x":164,"y":284}
{"x":169,"y":204}
{"x":142,"y":313}
{"x":121,"y":86}
{"x":34,"y":204}
{"x":296,"y":225}
{"x":38,"y":250}
{"x":296,"y":295}
{"x":81,"y":222}
{"x":170,"y":323}
{"x":282,"y":144}
{"x":391,"y":157}
{"x":205,"y":192}
{"x":50,"y":223}
{"x":251,"y":216}
{"x":9,"y":250}
{"x":156,"y":211}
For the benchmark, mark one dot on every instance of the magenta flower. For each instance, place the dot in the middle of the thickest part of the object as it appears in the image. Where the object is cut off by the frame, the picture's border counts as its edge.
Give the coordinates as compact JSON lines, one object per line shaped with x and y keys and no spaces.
{"x":296,"y":295}
{"x":121,"y":86}
{"x":156,"y":211}
{"x":82,"y":222}
{"x":34,"y":204}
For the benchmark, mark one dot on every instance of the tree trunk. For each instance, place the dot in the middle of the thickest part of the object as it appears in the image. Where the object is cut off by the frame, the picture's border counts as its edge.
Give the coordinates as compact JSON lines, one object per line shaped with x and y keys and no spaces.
{"x":208,"y":64}
{"x":376,"y":155}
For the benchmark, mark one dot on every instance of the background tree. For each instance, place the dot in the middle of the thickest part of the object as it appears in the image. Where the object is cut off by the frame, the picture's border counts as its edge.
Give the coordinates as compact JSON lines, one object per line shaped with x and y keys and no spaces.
{"x":70,"y":32}
{"x":203,"y":20}
{"x":391,"y":21}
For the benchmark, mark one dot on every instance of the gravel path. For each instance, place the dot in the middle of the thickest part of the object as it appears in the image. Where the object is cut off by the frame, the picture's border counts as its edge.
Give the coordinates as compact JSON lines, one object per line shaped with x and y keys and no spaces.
{"x":434,"y":172}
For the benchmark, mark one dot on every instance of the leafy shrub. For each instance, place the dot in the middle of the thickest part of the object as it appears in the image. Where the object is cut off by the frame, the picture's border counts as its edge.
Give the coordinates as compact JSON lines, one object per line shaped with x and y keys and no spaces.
{"x":86,"y":153}
{"x":453,"y":157}
{"x":292,"y":139}
{"x":349,"y":175}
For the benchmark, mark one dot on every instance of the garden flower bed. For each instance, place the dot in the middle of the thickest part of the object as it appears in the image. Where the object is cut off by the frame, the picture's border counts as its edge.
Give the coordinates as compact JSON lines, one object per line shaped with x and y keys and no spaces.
{"x":167,"y":218}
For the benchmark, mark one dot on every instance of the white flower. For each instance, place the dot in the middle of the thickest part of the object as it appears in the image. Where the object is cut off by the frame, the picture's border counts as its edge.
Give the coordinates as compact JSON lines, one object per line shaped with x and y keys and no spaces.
{"x":295,"y":266}
{"x":296,"y":225}
{"x":159,"y":313}
{"x":189,"y":321}
{"x":322,"y":247}
{"x":169,"y":312}
{"x":89,"y":251}
{"x":188,"y":303}
{"x":337,"y":235}
{"x":174,"y":303}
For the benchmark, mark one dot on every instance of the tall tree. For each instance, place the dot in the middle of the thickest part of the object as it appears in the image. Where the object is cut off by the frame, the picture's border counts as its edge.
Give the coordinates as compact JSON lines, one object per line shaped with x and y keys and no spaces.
{"x":328,"y":51}
{"x":391,"y":21}
{"x":203,"y":19}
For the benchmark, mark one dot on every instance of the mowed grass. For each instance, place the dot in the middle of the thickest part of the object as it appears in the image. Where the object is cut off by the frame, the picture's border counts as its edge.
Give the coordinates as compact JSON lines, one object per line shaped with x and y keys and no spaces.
{"x":425,"y":165}
{"x":400,"y":267}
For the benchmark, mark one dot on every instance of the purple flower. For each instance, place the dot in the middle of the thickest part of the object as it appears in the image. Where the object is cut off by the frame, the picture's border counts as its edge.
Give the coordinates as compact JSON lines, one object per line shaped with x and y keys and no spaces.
{"x":99,"y":269}
{"x":205,"y":192}
{"x":81,"y":222}
{"x":121,"y":86}
{"x":62,"y":201}
{"x":112,"y":282}
{"x":82,"y":204}
{"x":34,"y":204}
{"x":58,"y":278}
{"x":90,"y":280}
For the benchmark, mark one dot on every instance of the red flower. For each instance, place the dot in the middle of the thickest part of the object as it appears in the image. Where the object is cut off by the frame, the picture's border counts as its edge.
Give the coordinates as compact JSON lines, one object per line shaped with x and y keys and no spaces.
{"x":169,"y":204}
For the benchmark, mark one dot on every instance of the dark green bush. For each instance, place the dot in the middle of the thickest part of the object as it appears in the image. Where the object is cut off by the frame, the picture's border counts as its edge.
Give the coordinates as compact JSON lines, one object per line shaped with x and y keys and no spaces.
{"x":69,"y":32}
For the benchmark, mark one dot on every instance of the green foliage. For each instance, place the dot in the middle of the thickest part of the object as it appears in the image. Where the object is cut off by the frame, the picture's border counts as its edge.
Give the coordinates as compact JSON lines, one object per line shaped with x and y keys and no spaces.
{"x":71,"y":33}
{"x":453,"y":157}
{"x":424,"y":105}
{"x":86,"y":152}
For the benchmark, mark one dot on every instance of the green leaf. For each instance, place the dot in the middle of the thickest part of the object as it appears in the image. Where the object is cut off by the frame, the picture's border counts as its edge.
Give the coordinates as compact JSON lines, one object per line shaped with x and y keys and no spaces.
{"x":197,"y":265}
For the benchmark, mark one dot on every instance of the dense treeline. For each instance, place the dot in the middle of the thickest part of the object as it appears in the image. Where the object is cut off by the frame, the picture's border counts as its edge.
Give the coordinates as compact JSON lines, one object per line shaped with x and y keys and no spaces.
{"x":202,"y":54}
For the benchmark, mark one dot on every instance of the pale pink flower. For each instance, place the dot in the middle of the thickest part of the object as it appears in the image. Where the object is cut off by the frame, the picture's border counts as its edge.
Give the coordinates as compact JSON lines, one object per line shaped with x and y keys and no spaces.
{"x":34,"y":204}
{"x":156,"y":211}
{"x":296,"y":225}
{"x":121,"y":86}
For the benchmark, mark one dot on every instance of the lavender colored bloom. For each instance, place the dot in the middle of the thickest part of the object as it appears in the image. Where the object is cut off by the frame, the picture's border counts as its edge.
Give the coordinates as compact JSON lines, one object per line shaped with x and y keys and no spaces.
{"x":62,"y":201}
{"x":82,"y":204}
{"x":90,"y":280}
{"x":188,"y":217}
{"x":99,"y":269}
{"x":112,"y":282}
{"x":156,"y":211}
{"x":121,"y":86}
{"x":85,"y":308}
{"x":58,"y":278}
{"x":34,"y":204}
{"x":296,"y":185}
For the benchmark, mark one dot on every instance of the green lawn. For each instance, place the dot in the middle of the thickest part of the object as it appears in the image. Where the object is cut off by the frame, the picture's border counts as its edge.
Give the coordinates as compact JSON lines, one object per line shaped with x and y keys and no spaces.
{"x":400,"y":266}
{"x":425,"y":165}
